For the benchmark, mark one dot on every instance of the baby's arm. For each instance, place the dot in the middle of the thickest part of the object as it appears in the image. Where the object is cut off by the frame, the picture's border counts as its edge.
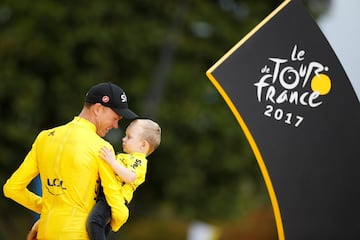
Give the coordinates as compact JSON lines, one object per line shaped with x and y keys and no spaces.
{"x":124,"y":173}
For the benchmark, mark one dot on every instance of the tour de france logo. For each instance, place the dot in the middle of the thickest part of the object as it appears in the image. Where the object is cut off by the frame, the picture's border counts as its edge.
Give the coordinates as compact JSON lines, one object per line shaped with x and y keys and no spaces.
{"x":292,"y":81}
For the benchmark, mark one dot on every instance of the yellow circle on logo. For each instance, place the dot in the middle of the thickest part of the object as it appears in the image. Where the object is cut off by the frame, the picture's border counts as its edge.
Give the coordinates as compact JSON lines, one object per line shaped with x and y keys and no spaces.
{"x":321,"y":83}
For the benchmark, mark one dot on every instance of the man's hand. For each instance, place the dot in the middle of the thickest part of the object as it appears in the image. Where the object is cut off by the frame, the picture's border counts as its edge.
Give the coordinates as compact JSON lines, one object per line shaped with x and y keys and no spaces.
{"x":32,"y":235}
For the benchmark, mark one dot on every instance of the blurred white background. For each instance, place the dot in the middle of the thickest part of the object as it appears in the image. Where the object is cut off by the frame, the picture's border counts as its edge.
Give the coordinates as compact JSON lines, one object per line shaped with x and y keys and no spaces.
{"x":341,"y":27}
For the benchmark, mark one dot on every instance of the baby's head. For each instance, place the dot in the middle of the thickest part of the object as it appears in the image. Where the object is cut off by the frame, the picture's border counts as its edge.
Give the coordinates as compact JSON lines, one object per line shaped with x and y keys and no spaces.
{"x":142,"y":135}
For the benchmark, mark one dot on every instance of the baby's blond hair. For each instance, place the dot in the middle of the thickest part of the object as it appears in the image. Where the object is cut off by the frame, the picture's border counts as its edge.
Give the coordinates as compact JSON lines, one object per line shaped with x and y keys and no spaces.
{"x":151,"y":132}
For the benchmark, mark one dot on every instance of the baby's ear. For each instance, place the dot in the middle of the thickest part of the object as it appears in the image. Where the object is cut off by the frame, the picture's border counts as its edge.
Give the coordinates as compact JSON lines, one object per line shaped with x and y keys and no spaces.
{"x":146,"y":146}
{"x":145,"y":143}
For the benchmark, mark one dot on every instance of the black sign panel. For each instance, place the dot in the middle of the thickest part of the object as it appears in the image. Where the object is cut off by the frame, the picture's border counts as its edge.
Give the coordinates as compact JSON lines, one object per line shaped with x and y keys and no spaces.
{"x":295,"y":104}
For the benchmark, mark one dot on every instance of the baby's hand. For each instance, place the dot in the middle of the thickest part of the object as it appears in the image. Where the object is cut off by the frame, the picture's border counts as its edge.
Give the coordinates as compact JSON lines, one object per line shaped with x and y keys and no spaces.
{"x":106,"y":154}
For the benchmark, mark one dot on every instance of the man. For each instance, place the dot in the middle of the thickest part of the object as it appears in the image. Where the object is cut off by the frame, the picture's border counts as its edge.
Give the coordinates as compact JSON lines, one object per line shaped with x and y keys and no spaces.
{"x":67,"y":159}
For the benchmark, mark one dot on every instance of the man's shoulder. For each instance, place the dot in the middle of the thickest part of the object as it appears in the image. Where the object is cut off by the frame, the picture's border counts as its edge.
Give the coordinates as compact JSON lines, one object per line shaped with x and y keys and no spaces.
{"x":50,"y":131}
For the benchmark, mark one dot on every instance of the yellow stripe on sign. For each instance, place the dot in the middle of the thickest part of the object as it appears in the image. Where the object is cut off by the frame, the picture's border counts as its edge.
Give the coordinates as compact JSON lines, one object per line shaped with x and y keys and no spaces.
{"x":263,"y":169}
{"x":257,"y":154}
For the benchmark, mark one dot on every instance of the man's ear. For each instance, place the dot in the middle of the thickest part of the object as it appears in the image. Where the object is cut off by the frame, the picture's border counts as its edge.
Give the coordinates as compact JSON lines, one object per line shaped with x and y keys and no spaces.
{"x":96,"y":108}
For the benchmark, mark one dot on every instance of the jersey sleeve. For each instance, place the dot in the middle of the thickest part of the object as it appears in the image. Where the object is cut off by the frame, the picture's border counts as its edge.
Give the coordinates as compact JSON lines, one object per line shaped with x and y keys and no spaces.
{"x":113,"y":195}
{"x":139,"y":167}
{"x":16,"y":186}
{"x":136,"y":164}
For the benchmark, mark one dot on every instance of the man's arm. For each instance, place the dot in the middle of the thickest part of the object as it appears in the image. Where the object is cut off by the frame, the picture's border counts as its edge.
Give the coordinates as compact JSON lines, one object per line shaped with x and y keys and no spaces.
{"x":113,"y":194}
{"x":16,"y":186}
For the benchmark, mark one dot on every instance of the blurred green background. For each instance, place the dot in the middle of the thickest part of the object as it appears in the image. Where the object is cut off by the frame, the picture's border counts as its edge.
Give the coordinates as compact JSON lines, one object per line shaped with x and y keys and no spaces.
{"x":51,"y":52}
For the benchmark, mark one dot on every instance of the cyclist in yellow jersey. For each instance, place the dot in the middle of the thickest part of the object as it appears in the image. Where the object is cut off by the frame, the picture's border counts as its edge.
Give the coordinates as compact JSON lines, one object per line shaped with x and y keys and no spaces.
{"x":67,"y":159}
{"x":142,"y":137}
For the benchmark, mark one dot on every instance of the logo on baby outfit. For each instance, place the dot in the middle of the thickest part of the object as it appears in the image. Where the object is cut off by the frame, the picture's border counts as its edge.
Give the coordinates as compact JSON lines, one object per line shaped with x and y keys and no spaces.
{"x":136,"y":164}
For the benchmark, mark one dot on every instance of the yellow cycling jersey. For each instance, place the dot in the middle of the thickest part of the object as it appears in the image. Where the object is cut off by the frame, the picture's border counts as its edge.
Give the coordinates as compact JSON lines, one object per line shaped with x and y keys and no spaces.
{"x":136,"y":162}
{"x":67,"y":158}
